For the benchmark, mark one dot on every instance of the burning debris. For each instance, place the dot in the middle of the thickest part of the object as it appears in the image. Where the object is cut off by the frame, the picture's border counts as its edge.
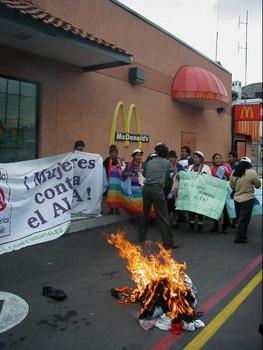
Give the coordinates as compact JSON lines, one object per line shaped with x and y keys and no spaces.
{"x":166,"y":294}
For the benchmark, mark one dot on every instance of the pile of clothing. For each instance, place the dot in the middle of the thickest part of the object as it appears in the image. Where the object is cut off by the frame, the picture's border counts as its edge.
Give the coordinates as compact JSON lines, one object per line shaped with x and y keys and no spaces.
{"x":157,"y":313}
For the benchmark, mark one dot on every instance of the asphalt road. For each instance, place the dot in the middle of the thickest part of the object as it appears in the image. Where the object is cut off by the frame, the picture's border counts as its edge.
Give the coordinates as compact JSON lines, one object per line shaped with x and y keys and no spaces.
{"x":86,"y":267}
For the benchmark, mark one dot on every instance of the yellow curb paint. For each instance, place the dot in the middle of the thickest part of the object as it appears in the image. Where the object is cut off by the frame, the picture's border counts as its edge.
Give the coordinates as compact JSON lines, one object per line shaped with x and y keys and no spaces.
{"x":199,"y":341}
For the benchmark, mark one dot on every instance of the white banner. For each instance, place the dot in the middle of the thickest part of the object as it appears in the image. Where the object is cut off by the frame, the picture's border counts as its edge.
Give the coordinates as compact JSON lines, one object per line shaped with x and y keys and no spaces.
{"x":38,"y":196}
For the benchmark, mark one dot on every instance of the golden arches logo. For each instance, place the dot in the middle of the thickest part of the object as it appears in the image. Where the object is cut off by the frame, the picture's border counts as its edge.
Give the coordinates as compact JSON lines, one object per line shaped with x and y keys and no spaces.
{"x":126,"y":121}
{"x":248,"y":112}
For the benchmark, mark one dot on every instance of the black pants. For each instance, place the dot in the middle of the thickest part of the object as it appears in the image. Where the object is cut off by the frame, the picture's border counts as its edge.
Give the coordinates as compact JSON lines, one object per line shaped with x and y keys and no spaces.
{"x":225,"y":219}
{"x":154,"y":195}
{"x":243,"y":212}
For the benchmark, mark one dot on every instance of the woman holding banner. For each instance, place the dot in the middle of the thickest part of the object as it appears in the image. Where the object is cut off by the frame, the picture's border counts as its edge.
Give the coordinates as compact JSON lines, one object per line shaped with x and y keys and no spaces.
{"x":243,"y":182}
{"x":200,"y":168}
{"x":221,"y":171}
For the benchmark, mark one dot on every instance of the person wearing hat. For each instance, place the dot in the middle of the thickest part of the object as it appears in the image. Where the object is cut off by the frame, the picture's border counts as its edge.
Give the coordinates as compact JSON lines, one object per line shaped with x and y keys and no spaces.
{"x":200,"y":168}
{"x":132,"y":193}
{"x":243,"y":181}
{"x":154,"y":154}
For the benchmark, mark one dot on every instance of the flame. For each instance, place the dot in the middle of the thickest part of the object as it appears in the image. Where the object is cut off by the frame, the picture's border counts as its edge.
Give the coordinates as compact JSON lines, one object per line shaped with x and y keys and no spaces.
{"x":158,"y":274}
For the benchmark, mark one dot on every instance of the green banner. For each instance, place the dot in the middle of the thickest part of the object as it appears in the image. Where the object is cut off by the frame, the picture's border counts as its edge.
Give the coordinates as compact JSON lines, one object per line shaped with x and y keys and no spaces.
{"x":202,"y":194}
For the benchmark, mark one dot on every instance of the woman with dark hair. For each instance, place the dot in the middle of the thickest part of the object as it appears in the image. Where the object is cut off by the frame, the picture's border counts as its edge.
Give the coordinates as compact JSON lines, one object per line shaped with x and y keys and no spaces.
{"x":221,"y":171}
{"x":79,"y":145}
{"x":114,"y":166}
{"x":242,"y":181}
{"x":132,"y":192}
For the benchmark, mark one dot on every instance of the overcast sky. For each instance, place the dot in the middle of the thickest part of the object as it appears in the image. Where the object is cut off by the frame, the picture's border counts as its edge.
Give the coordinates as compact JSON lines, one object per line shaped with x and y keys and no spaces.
{"x":196,"y":23}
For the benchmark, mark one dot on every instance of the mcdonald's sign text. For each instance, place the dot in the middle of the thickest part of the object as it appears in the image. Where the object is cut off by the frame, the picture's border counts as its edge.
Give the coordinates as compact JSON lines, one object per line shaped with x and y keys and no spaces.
{"x":121,"y":136}
{"x":125,"y":135}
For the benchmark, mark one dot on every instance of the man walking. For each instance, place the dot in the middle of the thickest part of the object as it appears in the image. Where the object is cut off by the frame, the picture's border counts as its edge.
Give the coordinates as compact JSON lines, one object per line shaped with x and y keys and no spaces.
{"x":153,"y":194}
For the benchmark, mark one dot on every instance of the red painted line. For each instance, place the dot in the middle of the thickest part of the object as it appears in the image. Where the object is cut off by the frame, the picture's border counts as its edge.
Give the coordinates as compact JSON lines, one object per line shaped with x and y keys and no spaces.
{"x":169,"y":340}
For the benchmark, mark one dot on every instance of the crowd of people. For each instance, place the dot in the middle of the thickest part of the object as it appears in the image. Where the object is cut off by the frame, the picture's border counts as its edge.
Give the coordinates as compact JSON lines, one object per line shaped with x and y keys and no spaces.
{"x":149,"y":189}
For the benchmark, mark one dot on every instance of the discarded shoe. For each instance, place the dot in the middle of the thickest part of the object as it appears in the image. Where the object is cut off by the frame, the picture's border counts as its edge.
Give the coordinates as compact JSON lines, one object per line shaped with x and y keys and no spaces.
{"x":54,"y":293}
{"x":198,"y":324}
{"x":163,"y":322}
{"x":190,"y":327}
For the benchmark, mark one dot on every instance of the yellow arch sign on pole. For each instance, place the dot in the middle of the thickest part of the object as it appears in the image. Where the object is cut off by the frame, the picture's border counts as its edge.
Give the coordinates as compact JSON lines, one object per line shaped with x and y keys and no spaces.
{"x":126,"y":118}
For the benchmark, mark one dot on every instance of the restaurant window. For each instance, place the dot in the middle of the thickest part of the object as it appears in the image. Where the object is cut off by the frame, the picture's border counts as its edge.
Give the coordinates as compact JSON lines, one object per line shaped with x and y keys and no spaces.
{"x":18,"y":120}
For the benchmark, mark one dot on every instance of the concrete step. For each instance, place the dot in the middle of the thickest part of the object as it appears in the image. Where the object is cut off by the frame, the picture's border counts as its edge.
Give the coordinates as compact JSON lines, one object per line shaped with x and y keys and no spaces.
{"x":89,"y":223}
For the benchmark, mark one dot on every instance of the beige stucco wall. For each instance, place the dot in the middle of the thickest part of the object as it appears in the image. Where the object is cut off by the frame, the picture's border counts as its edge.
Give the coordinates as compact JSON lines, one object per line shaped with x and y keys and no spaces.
{"x":76,"y":105}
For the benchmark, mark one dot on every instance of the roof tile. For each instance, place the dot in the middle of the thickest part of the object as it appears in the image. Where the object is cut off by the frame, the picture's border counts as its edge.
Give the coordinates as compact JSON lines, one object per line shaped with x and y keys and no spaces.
{"x":26,"y":7}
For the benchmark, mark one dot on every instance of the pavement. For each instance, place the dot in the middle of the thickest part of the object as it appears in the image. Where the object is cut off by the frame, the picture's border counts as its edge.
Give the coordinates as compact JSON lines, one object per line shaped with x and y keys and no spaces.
{"x":86,"y":267}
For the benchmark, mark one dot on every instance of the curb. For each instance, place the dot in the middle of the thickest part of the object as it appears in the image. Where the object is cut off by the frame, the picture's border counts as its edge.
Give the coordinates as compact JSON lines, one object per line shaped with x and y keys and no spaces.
{"x":86,"y":224}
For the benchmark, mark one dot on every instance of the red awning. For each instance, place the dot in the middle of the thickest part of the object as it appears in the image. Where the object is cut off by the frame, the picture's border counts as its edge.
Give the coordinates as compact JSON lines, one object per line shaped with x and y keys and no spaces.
{"x":199,"y":87}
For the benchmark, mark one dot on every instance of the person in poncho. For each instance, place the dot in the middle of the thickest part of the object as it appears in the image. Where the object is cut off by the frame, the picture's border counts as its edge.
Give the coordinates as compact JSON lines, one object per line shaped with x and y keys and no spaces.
{"x":132,"y":186}
{"x":114,"y":166}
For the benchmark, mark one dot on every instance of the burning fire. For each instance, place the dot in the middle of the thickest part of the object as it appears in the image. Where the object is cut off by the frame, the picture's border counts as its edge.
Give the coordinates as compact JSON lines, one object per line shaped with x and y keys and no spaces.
{"x":160,"y":280}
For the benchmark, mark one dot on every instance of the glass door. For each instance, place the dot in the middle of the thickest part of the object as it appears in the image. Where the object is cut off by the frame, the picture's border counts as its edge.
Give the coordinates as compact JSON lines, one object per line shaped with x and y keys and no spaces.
{"x":18,"y":120}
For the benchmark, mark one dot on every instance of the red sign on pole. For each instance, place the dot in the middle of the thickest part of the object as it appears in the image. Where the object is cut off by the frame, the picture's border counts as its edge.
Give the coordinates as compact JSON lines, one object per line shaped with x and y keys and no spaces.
{"x":248,"y":112}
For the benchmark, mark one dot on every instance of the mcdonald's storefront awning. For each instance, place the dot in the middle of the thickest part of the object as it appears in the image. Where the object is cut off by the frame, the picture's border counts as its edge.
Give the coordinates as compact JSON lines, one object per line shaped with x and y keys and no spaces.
{"x":247,"y":120}
{"x":25,"y":26}
{"x":197,"y":86}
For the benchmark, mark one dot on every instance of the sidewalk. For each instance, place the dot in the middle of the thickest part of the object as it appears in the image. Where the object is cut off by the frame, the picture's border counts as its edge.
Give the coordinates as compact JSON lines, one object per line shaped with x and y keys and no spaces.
{"x":105,"y":219}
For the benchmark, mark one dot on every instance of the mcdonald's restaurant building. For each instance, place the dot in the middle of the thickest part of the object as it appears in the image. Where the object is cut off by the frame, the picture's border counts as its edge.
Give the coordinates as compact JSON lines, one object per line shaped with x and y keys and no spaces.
{"x":97,"y":71}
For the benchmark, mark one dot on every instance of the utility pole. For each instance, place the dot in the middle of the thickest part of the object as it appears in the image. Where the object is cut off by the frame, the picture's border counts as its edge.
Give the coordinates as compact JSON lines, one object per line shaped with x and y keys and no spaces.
{"x":244,"y":48}
{"x":217,"y":29}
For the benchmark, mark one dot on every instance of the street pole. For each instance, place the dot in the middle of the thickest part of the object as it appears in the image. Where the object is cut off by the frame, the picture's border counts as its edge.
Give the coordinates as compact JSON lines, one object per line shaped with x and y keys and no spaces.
{"x":244,"y":48}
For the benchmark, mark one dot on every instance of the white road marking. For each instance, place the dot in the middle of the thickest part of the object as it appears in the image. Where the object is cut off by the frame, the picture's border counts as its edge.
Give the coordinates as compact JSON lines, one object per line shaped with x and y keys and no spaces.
{"x":14,"y":310}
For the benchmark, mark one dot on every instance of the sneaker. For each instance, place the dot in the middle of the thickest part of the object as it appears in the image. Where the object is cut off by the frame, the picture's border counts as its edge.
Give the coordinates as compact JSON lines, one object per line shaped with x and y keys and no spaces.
{"x":190,"y":327}
{"x":198,"y":324}
{"x":163,"y":322}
